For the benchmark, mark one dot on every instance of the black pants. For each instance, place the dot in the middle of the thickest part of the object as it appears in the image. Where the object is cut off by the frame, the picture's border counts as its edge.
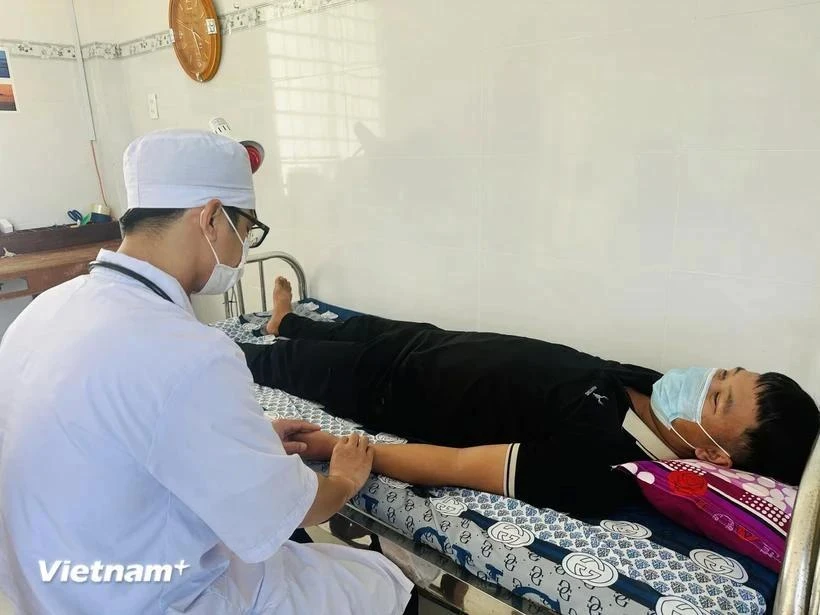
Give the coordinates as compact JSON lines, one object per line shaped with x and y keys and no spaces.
{"x":429,"y":385}
{"x":345,"y":366}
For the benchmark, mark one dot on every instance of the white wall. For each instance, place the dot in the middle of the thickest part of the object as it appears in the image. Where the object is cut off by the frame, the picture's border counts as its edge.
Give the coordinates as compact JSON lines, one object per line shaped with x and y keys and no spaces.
{"x":117,"y":22}
{"x":45,"y":157}
{"x":45,"y":21}
{"x":634,"y":177}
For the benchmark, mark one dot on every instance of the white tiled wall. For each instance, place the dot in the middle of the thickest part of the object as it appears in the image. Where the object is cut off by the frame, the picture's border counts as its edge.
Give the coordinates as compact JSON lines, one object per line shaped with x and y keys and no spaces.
{"x":635,"y":177}
{"x":45,"y":151}
{"x":48,"y":21}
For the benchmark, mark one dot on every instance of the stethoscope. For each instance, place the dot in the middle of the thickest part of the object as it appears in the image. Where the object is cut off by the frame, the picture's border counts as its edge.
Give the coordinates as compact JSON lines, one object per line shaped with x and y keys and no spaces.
{"x":131,"y":274}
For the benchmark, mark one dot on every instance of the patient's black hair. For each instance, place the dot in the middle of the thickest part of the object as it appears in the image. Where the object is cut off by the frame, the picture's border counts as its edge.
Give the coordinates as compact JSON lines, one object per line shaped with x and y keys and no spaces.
{"x":156,"y":220}
{"x":788,"y":423}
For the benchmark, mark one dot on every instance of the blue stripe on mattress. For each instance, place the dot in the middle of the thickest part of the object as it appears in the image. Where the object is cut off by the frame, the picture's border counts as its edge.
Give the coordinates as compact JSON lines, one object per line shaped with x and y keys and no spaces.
{"x":634,"y":590}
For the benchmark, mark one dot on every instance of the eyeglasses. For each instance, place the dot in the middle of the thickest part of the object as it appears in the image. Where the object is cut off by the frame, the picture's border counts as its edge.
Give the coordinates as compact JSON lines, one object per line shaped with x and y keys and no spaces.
{"x":258,"y":231}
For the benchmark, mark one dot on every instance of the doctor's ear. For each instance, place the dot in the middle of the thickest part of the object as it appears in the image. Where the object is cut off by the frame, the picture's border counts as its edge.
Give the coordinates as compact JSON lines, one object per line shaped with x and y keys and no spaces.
{"x":714,"y":456}
{"x":208,"y":216}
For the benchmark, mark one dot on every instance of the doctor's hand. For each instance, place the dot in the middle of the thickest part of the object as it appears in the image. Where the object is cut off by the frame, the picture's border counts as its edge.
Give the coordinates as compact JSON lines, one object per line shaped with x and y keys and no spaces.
{"x":319,"y":445}
{"x":352,"y":459}
{"x":289,"y":430}
{"x":350,"y":464}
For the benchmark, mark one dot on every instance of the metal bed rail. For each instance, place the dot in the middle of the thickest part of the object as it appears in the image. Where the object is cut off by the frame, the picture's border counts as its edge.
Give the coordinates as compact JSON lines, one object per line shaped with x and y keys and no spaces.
{"x":797,"y":592}
{"x":260,"y":260}
{"x":798,"y":589}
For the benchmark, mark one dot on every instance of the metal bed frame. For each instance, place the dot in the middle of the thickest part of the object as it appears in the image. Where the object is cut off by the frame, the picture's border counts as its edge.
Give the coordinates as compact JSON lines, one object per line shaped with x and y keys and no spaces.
{"x":260,"y":260}
{"x":798,"y":588}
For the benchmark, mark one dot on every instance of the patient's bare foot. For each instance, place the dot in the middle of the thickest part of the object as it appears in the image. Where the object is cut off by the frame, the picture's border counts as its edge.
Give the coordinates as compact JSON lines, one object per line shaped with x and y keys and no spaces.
{"x":282,"y":299}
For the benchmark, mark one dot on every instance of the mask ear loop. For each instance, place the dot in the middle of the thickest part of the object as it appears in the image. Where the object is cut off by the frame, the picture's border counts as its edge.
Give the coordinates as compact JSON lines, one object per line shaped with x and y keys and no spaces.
{"x":246,"y":246}
{"x":677,"y":433}
{"x":707,"y":435}
{"x":701,"y":401}
{"x":210,"y":245}
{"x":713,"y":441}
{"x":238,"y":236}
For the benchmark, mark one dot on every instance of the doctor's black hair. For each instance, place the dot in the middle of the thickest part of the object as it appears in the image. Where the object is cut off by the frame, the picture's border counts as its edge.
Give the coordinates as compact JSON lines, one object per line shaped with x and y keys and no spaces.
{"x":147,"y":219}
{"x":788,"y":422}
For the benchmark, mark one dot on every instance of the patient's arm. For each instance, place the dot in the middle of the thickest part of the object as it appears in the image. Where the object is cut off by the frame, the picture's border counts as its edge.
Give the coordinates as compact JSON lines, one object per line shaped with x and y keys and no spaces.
{"x":477,"y":467}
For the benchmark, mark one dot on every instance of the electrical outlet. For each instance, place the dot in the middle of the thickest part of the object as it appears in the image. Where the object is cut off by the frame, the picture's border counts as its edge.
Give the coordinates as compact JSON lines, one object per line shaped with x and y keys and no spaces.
{"x":153,"y":108}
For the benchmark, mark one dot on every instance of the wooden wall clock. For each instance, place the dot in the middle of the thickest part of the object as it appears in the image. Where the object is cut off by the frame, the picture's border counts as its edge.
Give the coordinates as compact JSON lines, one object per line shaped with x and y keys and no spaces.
{"x":197,"y":38}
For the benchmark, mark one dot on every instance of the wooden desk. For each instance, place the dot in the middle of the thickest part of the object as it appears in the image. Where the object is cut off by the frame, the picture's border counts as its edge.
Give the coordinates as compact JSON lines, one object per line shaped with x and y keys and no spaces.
{"x":42,"y":270}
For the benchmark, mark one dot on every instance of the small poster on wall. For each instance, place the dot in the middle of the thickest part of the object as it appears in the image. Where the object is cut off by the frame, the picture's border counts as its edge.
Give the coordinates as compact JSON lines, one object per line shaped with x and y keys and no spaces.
{"x":7,"y":100}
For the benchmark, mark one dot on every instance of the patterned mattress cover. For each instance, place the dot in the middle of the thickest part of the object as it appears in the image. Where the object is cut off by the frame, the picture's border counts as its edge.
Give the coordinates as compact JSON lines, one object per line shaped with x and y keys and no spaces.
{"x":635,"y":562}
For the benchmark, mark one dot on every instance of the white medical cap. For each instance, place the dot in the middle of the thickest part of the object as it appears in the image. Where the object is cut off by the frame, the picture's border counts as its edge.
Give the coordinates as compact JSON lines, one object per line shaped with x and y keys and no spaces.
{"x":181,"y":169}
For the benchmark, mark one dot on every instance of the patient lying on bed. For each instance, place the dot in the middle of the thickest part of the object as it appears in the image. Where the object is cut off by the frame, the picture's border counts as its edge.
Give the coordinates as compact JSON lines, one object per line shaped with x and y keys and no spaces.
{"x":521,"y":417}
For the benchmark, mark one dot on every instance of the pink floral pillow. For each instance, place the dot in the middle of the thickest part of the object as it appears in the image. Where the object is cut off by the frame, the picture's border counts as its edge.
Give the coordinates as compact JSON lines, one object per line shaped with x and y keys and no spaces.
{"x":747,"y":513}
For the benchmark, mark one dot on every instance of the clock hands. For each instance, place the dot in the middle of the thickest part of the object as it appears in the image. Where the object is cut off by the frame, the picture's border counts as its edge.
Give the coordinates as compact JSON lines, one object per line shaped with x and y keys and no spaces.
{"x":197,"y":37}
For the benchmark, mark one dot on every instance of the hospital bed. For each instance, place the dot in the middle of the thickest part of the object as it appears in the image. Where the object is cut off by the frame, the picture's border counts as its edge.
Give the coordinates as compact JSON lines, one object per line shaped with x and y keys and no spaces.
{"x":479,"y":553}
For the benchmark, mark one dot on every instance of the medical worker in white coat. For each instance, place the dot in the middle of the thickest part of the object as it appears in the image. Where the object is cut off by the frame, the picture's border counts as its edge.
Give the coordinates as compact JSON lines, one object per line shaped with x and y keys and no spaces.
{"x":129,"y":433}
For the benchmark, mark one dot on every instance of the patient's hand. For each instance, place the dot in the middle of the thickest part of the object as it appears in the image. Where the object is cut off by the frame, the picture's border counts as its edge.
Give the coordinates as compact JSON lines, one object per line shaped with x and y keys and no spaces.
{"x":320,"y":445}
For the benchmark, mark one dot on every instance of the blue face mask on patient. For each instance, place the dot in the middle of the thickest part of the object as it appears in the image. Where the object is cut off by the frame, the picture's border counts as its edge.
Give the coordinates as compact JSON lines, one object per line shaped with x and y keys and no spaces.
{"x":680,"y":394}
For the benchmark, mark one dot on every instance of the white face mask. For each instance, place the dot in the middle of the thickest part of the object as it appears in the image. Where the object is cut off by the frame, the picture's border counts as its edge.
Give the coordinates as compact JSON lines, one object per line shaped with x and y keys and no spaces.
{"x":223,"y":278}
{"x":680,"y":394}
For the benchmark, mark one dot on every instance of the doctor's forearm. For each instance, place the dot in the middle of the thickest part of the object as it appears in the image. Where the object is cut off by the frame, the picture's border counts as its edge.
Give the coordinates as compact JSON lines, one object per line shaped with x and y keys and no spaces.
{"x":331,"y":495}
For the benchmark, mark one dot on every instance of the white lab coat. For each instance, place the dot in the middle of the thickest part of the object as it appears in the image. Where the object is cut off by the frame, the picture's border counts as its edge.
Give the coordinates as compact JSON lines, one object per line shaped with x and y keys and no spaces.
{"x":129,"y":435}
